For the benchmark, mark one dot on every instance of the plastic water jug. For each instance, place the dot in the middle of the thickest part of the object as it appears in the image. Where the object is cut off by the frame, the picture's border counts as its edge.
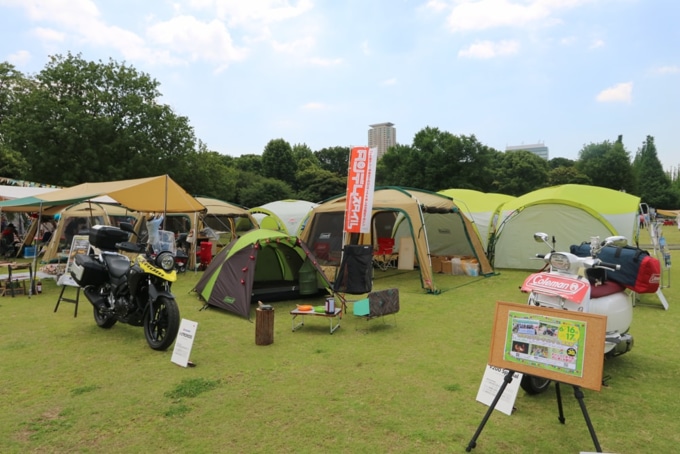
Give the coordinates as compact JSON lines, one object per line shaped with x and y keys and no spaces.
{"x":330,"y":305}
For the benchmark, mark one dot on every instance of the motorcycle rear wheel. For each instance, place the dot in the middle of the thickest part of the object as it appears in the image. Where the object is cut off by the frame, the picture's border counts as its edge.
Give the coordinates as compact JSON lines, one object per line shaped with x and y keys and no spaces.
{"x":534,"y":385}
{"x":103,"y":320}
{"x":162,"y":324}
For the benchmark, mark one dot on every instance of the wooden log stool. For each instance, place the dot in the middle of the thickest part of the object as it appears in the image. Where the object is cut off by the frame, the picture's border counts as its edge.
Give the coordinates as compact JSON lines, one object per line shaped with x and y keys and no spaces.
{"x":264,"y":325}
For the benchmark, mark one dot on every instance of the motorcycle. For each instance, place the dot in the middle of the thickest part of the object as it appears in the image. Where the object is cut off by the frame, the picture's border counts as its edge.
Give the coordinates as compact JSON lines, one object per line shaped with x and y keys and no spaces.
{"x":574,"y":283}
{"x":134,"y":292}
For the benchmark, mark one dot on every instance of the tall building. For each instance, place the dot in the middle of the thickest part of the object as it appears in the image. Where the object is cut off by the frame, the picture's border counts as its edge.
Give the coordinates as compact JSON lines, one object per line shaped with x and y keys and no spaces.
{"x":382,"y":136}
{"x":539,"y":149}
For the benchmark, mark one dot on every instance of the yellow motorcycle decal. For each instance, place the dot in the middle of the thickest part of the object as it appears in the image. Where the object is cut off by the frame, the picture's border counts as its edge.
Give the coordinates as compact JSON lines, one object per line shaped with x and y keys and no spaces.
{"x":148,"y":267}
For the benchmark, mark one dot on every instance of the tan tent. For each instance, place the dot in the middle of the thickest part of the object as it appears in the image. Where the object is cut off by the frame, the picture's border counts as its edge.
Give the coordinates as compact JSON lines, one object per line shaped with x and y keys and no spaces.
{"x":152,"y":194}
{"x":432,"y":222}
{"x":88,"y":214}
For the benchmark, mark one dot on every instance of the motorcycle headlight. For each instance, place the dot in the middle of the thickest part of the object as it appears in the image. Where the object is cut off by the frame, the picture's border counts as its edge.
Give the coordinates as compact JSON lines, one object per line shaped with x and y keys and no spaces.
{"x":166,"y":261}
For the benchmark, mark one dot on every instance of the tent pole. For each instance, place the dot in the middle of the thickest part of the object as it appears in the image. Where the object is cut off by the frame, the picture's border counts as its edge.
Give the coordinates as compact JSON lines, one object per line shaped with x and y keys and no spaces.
{"x":35,"y":255}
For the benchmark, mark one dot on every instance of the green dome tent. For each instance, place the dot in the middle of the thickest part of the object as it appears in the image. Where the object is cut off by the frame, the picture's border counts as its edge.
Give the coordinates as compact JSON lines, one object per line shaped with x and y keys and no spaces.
{"x":572,"y":213}
{"x":264,"y":265}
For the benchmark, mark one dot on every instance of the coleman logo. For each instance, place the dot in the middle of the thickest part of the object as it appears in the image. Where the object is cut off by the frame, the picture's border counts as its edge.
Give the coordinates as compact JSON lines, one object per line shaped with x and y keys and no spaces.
{"x":550,"y":284}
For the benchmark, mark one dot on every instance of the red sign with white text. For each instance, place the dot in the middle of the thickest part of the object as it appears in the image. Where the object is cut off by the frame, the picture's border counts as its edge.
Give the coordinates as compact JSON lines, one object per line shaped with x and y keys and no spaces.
{"x":360,"y":187}
{"x":551,"y":284}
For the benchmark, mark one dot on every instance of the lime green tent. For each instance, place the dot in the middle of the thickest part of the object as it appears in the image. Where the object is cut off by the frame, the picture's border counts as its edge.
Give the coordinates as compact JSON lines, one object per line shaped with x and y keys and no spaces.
{"x":481,"y":209}
{"x":264,"y":265}
{"x":571,"y":213}
{"x":283,"y":215}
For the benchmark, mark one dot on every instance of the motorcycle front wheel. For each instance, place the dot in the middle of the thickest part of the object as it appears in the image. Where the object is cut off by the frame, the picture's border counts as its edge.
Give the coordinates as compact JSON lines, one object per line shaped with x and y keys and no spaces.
{"x":534,"y":385}
{"x":162,"y":323}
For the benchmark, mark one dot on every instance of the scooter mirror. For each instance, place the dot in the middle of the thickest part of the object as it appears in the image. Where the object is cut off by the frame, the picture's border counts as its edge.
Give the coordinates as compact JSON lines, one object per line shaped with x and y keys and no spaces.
{"x":618,"y":241}
{"x":540,"y":237}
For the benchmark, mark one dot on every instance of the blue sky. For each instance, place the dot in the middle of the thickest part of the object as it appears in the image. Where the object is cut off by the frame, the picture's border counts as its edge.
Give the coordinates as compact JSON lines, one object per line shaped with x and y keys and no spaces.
{"x":565,"y":73}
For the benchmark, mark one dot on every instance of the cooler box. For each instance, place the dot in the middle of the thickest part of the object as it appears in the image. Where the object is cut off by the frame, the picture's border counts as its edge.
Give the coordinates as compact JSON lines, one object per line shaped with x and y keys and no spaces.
{"x":29,"y":252}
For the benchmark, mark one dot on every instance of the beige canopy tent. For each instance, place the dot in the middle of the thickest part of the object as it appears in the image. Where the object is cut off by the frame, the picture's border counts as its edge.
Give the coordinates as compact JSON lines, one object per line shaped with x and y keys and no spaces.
{"x":153,"y":194}
{"x":431,"y":222}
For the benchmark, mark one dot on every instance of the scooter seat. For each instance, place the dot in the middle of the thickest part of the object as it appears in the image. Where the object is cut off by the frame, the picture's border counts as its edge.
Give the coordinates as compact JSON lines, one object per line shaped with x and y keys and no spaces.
{"x":608,"y":288}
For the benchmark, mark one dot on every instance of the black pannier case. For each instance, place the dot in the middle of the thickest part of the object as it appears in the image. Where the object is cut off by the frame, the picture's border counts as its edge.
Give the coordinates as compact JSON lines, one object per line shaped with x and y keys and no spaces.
{"x":105,"y":237}
{"x":86,"y":270}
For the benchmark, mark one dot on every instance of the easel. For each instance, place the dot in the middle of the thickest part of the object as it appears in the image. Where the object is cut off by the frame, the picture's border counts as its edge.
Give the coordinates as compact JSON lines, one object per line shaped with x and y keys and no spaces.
{"x":506,"y":381}
{"x":664,"y":257}
{"x":79,"y":245}
{"x":65,"y":281}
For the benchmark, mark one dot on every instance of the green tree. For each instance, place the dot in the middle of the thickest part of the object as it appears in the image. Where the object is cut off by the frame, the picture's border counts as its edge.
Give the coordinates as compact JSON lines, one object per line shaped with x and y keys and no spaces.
{"x":607,"y":165}
{"x":439,"y":160}
{"x":12,"y":85}
{"x":520,"y":172}
{"x":334,"y":159}
{"x":566,"y":175}
{"x":654,"y":186}
{"x":86,"y":121}
{"x":249,"y":163}
{"x":561,"y":162}
{"x":207,"y":173}
{"x":278,"y":161}
{"x":264,"y":190}
{"x":318,"y":184}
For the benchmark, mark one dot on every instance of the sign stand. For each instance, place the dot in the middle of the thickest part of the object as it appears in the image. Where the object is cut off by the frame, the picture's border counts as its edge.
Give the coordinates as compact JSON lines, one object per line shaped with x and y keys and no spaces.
{"x":563,"y":346}
{"x":79,"y":245}
{"x":68,"y":300}
{"x":506,"y":382}
{"x":578,"y":394}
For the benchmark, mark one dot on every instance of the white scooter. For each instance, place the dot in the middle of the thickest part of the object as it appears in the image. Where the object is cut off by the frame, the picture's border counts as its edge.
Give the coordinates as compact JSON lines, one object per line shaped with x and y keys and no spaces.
{"x":576,"y":283}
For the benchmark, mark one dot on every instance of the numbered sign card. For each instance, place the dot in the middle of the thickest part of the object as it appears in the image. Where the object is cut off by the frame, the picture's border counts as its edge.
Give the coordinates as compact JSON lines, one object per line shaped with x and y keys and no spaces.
{"x":184,"y":342}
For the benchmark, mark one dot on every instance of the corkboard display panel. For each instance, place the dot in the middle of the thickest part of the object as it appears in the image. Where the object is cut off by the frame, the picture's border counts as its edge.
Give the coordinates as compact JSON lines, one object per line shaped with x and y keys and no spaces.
{"x":559,"y":345}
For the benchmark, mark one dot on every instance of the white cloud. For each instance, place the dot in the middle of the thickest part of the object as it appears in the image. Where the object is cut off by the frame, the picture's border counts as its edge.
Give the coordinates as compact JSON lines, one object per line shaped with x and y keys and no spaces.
{"x":249,"y":12}
{"x":596,"y":44}
{"x":294,"y":47}
{"x":208,"y":41}
{"x":365,"y":48}
{"x":19,"y":58}
{"x":436,"y":5}
{"x":391,"y":81}
{"x":325,"y":61}
{"x":622,"y":92}
{"x":667,"y":70}
{"x":48,"y":35}
{"x":490,"y":49}
{"x":485,"y":14}
{"x":314,"y":106}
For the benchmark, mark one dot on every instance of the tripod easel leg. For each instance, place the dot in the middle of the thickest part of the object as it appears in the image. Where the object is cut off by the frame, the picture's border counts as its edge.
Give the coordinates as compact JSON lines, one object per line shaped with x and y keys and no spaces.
{"x":506,"y":381}
{"x":579,"y":396}
{"x":559,"y":402}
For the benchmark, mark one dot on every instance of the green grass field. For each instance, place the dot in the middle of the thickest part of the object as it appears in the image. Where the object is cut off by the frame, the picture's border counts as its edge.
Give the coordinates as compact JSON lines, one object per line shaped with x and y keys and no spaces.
{"x":400,"y":385}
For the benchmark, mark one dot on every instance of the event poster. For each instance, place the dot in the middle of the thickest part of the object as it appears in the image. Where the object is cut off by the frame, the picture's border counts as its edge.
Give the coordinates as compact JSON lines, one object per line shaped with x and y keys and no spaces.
{"x":551,"y":343}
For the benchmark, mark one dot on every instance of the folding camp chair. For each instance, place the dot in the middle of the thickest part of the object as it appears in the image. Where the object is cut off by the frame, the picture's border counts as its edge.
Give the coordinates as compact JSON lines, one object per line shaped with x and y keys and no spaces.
{"x":355,"y":273}
{"x":383,"y":256}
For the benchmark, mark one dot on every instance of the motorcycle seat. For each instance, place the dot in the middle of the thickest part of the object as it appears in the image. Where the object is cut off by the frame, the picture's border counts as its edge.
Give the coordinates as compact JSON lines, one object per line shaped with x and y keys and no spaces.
{"x":608,"y":288}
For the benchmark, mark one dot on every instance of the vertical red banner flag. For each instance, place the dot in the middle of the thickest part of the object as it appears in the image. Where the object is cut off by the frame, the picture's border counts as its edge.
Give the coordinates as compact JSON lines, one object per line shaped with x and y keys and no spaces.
{"x":360,"y":187}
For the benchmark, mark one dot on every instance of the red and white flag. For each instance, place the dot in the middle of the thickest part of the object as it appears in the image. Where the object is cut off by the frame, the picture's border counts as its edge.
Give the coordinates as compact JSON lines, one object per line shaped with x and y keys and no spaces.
{"x":360,"y":187}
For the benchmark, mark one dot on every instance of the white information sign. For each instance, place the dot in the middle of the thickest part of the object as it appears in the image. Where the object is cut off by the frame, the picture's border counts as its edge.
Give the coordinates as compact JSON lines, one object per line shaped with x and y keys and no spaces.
{"x":491,"y":383}
{"x":184,"y":342}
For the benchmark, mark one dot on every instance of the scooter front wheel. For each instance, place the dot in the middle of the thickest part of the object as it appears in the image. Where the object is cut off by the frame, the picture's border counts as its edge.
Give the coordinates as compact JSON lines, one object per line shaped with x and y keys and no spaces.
{"x":534,"y":385}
